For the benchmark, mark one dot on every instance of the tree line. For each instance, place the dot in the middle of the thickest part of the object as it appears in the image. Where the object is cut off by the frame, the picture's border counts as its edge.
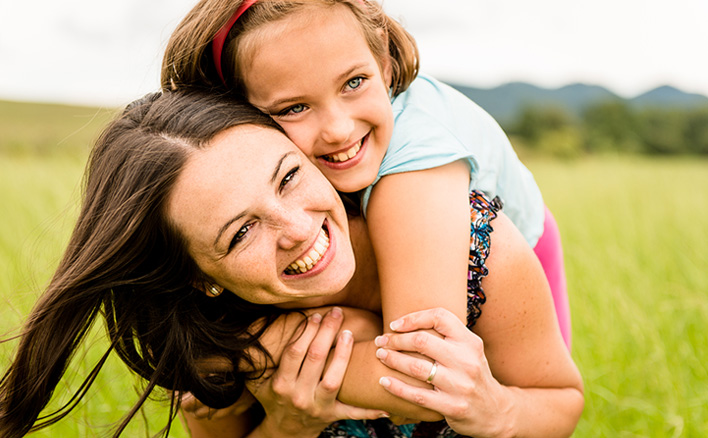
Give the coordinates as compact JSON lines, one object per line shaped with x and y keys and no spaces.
{"x":611,"y":126}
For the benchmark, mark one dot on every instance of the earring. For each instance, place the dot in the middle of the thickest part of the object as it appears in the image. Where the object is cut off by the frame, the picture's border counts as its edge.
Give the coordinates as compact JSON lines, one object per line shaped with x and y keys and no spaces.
{"x":215,"y":291}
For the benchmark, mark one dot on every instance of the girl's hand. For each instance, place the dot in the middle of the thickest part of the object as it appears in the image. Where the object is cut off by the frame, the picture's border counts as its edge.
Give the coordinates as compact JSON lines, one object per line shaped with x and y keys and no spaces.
{"x":300,"y":396}
{"x":463,"y":389}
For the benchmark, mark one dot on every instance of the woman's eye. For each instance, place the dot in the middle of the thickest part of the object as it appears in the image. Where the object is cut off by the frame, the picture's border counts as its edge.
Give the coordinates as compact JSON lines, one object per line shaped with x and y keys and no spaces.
{"x":240,"y":234}
{"x":289,"y":176}
{"x":355,"y":83}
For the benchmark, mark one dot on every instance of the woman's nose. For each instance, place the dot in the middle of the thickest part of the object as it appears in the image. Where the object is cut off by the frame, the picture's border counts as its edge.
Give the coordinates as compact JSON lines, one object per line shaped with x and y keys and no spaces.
{"x":296,"y":227}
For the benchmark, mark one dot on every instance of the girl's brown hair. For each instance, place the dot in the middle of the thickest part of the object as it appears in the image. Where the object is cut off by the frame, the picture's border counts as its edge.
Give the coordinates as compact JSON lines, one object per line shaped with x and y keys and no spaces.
{"x":126,"y":261}
{"x":189,"y":63}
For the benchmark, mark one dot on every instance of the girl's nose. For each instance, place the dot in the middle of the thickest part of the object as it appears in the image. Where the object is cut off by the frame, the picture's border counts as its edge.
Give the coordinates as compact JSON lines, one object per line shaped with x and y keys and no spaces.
{"x":336,"y":126}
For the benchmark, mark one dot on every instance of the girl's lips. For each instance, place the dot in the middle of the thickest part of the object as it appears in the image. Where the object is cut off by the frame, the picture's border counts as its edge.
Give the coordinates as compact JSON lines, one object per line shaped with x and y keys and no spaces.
{"x":357,"y":151}
{"x":323,"y":250}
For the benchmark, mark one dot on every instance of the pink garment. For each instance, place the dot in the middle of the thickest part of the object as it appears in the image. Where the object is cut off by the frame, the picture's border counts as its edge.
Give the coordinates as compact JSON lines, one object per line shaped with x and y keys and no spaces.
{"x":550,"y":252}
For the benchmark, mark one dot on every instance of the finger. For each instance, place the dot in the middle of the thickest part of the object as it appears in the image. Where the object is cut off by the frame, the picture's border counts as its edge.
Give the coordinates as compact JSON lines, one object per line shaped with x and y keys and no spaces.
{"x":318,"y":351}
{"x":334,"y":376}
{"x":343,"y":411}
{"x":424,"y":342}
{"x":439,"y":319}
{"x":295,"y":352}
{"x":416,"y":367}
{"x":423,"y":397}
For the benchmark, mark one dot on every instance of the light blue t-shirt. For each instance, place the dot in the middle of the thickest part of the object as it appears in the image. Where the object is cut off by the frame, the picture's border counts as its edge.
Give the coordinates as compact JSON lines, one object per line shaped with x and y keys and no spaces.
{"x":434,"y":125}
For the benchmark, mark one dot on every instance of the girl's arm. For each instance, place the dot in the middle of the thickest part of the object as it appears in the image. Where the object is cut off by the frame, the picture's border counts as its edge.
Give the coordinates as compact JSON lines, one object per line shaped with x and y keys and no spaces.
{"x":419,"y":225}
{"x":513,"y":376}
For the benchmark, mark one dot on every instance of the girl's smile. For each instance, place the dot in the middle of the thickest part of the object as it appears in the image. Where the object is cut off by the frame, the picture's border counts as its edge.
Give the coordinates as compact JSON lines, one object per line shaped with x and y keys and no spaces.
{"x":314,"y":73}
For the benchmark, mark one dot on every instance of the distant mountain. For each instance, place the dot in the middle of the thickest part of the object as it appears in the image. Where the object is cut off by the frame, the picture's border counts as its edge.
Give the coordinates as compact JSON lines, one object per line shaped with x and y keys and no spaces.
{"x":506,"y":101}
{"x":669,"y":96}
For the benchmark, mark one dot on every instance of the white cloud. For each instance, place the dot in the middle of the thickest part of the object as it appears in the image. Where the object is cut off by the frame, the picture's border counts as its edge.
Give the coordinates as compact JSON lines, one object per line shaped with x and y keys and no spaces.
{"x":101,"y":51}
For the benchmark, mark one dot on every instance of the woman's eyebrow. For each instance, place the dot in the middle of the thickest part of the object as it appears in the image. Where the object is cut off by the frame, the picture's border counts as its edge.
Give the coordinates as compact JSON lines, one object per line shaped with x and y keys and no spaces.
{"x":226,"y":226}
{"x":278,"y":166}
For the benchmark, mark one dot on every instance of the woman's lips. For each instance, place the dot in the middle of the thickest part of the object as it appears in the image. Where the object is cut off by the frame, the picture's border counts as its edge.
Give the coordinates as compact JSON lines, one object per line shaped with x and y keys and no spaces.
{"x":308,"y":261}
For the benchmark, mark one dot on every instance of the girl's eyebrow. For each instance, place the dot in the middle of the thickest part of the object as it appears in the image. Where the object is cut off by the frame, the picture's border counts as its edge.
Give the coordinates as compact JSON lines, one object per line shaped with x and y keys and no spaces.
{"x":351,"y":70}
{"x":339,"y":78}
{"x":276,"y":171}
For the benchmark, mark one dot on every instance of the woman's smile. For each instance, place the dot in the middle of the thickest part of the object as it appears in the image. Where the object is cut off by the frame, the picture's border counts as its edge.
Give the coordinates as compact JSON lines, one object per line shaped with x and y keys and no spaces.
{"x":312,"y":257}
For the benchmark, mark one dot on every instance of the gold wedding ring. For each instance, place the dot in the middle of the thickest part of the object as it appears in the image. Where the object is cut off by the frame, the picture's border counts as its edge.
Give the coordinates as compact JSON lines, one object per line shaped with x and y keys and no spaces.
{"x":433,"y":371}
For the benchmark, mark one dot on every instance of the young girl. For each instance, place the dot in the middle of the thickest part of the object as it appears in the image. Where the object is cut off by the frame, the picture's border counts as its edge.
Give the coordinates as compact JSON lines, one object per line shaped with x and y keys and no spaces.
{"x":340,"y":77}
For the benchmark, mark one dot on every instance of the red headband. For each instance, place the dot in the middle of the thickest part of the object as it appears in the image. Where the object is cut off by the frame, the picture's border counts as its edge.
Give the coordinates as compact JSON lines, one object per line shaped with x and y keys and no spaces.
{"x":217,"y":45}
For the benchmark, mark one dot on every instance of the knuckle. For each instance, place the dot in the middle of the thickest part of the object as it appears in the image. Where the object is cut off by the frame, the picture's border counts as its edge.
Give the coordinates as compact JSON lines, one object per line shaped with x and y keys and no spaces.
{"x":418,"y":369}
{"x":299,"y":402}
{"x":459,"y":409}
{"x":279,"y":386}
{"x":315,"y":354}
{"x":420,"y":341}
{"x":294,"y":352}
{"x":329,"y":386}
{"x":418,"y":399}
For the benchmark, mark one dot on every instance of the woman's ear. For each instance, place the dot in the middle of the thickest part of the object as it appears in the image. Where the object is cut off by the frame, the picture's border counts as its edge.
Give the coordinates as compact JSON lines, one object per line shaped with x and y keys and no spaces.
{"x":209,"y":288}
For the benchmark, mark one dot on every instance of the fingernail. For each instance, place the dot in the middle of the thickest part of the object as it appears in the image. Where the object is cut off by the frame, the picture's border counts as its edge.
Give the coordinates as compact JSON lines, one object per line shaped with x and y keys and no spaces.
{"x":385,"y":382}
{"x":347,"y":335}
{"x":395,"y":325}
{"x":316,"y":318}
{"x":337,"y":312}
{"x":384,"y":415}
{"x":380,"y":341}
{"x":381,"y":353}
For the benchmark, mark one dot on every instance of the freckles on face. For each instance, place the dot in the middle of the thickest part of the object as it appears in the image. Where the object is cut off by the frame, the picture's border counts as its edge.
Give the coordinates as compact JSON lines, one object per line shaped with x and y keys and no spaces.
{"x":250,"y":205}
{"x":314,"y":72}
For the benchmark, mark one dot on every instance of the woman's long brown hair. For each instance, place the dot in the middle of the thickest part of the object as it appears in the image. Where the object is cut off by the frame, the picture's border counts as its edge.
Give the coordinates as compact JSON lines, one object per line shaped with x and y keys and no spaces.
{"x":126,"y":262}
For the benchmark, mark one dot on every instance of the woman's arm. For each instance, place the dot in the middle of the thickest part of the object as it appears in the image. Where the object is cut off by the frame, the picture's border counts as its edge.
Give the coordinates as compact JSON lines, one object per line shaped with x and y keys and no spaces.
{"x":299,"y":396}
{"x":514,"y":377}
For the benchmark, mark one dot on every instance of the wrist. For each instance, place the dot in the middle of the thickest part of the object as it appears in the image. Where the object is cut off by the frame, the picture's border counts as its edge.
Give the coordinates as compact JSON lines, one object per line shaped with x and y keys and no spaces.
{"x":507,"y":413}
{"x":271,"y":428}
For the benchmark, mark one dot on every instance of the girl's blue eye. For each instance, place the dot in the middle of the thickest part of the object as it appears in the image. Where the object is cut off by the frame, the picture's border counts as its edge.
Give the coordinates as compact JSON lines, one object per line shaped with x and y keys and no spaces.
{"x":354,"y":83}
{"x":295,"y":109}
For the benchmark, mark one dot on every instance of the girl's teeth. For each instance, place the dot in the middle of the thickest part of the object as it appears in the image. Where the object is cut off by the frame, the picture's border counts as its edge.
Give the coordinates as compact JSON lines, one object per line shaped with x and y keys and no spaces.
{"x":344,"y":156}
{"x":310,"y":260}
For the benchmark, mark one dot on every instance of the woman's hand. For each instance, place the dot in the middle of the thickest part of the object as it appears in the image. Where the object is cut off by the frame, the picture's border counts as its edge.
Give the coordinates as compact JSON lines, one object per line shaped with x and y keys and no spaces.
{"x":463,"y":388}
{"x":300,"y":396}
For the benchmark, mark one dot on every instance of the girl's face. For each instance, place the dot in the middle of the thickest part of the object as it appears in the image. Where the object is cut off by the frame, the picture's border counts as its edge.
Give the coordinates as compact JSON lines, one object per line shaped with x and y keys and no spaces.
{"x":314,"y":73}
{"x":261,"y":220}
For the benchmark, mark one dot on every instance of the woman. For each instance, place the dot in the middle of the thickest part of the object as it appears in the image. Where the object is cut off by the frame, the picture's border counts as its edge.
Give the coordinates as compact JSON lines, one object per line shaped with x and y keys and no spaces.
{"x":137,"y":256}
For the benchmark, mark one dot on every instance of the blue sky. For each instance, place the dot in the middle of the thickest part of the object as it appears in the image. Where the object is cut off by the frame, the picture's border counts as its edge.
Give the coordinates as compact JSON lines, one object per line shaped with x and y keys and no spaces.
{"x":108,"y":52}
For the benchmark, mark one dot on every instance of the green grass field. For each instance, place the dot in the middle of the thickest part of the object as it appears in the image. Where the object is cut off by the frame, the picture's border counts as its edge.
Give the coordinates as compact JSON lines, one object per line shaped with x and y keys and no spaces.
{"x":635,"y":232}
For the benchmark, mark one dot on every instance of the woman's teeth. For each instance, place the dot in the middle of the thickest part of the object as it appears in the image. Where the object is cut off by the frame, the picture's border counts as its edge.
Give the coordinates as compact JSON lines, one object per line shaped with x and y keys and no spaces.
{"x":310,"y":260}
{"x":344,"y":156}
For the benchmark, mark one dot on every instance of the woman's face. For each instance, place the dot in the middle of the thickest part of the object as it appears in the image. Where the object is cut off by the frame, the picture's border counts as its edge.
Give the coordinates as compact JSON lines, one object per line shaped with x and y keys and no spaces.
{"x":260,"y":220}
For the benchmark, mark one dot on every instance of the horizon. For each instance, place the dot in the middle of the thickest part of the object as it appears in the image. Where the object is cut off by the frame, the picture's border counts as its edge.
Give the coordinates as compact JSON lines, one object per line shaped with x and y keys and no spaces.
{"x":109,"y":53}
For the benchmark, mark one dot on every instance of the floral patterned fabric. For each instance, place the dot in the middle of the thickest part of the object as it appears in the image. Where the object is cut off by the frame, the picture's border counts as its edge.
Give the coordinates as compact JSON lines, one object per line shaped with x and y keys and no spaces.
{"x":482,"y":212}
